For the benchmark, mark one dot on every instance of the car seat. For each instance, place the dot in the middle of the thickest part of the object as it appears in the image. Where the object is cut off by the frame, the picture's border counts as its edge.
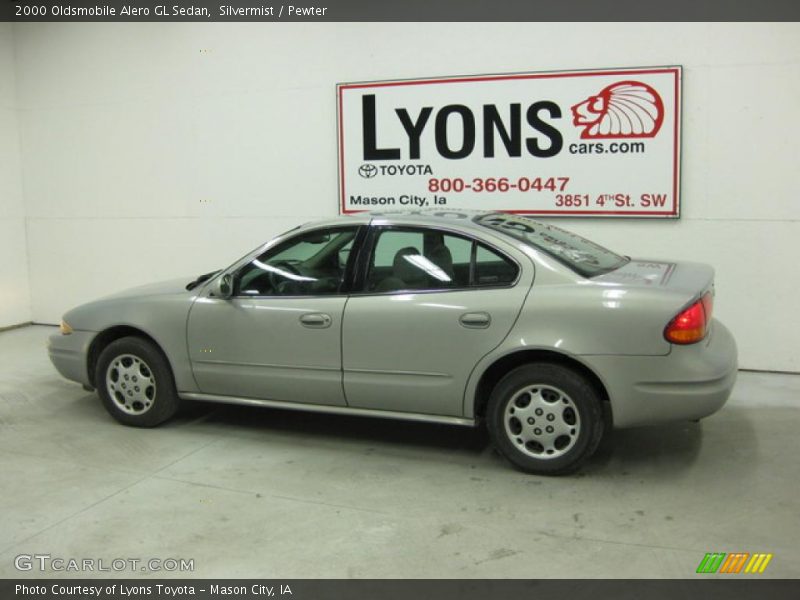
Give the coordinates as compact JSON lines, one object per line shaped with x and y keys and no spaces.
{"x":405,"y":275}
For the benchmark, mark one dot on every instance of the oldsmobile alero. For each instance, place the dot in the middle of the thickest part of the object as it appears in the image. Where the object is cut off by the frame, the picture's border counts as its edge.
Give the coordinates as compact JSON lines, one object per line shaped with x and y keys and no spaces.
{"x":450,"y":317}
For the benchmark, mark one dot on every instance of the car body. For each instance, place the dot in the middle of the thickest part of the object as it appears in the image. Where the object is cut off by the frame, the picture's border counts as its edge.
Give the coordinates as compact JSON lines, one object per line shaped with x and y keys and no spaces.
{"x":452,"y":317}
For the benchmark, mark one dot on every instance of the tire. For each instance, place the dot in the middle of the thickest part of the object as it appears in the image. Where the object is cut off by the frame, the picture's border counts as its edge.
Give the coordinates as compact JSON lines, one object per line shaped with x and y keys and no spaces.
{"x":135,"y":383}
{"x":545,"y":418}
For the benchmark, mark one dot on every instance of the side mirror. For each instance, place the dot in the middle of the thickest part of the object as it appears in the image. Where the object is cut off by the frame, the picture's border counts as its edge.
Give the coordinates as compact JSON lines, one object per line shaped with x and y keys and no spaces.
{"x":223,"y":286}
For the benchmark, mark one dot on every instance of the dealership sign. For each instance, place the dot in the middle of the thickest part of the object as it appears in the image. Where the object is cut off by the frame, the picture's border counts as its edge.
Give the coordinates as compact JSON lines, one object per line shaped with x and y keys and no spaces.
{"x":602,"y":143}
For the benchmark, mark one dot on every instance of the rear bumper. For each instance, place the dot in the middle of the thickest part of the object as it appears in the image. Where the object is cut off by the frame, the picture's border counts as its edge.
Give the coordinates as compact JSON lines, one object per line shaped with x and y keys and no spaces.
{"x":68,"y":354}
{"x":689,"y":383}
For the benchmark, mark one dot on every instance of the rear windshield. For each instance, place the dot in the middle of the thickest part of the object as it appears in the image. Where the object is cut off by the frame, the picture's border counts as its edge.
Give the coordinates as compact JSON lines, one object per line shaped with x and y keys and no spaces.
{"x":583,"y":256}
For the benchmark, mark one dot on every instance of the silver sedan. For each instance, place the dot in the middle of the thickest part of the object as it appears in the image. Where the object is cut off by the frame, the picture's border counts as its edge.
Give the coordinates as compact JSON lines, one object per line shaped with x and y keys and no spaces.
{"x":451,"y":317}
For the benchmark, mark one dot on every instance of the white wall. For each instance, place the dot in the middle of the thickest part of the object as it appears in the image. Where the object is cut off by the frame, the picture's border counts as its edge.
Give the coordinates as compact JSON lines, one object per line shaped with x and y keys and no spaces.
{"x":14,"y":288}
{"x":158,"y":150}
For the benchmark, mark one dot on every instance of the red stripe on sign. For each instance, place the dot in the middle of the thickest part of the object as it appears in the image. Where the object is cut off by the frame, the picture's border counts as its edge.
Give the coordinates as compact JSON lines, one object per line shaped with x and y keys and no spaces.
{"x":587,"y":212}
{"x":435,"y":80}
{"x":341,"y":152}
{"x":676,"y":158}
{"x":561,"y":212}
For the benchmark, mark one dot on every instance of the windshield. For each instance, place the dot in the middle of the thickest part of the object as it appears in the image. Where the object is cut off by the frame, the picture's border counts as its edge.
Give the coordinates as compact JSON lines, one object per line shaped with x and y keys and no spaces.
{"x":583,"y":256}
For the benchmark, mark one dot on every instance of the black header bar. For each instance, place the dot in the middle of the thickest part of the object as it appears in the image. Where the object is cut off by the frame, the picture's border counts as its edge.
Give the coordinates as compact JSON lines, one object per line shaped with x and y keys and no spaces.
{"x":402,"y":10}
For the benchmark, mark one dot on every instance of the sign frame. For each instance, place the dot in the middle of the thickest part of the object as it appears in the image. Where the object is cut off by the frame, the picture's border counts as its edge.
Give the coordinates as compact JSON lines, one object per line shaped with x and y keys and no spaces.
{"x":672,"y":212}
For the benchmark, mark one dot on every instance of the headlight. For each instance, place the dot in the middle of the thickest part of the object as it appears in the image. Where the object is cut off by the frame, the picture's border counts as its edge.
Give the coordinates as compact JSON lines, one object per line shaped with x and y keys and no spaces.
{"x":65,"y":328}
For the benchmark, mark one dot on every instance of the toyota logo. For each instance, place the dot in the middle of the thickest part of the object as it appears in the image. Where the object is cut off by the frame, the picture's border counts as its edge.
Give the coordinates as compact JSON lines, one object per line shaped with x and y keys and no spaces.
{"x":367,"y":171}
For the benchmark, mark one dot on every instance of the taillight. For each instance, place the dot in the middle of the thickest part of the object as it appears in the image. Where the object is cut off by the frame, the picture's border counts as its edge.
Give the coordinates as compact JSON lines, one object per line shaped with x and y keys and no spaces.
{"x":691,"y":325}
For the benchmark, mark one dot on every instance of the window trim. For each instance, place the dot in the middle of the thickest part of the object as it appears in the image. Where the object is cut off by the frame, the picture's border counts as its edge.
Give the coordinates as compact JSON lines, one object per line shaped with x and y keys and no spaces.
{"x":367,"y":253}
{"x":347,"y":278}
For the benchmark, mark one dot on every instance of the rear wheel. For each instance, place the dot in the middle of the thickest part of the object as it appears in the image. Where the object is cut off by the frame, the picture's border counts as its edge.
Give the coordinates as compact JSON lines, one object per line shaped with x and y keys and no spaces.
{"x":545,"y":418}
{"x":135,"y":383}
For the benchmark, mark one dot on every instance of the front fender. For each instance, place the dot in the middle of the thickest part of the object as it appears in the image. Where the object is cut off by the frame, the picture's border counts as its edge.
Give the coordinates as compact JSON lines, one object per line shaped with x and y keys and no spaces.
{"x":162,"y":318}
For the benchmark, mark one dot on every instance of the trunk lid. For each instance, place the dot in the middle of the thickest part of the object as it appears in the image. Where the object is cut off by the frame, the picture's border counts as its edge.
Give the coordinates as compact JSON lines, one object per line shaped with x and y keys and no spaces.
{"x":686,"y":278}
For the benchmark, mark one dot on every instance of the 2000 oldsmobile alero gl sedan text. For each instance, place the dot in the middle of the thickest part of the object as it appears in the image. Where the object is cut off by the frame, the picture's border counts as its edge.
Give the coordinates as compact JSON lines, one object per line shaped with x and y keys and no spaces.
{"x":447,"y":317}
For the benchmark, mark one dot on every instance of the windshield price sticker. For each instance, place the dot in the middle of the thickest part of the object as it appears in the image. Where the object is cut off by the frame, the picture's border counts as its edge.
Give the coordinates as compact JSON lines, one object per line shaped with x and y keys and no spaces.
{"x":591,"y":143}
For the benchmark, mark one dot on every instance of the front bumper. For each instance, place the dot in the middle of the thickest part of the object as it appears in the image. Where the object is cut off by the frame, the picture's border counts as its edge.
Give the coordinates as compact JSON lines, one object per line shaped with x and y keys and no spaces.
{"x":68,"y":354}
{"x":689,"y":383}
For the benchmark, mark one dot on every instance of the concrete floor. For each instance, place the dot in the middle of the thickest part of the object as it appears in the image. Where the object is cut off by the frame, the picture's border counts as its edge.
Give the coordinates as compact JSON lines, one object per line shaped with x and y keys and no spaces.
{"x":267,"y":493}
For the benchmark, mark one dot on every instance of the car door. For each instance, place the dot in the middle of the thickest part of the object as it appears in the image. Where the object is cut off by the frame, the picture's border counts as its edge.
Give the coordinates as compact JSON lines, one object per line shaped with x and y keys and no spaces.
{"x":431,"y":304}
{"x":278,"y":337}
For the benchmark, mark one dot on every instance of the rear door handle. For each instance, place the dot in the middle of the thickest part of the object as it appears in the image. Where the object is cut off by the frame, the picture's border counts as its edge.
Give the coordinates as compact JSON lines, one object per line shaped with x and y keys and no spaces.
{"x":316,"y":320}
{"x":475,"y":320}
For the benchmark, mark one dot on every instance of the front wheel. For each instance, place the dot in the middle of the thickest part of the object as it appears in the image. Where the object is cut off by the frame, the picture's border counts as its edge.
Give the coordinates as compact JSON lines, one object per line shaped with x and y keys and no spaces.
{"x":545,"y":418}
{"x":135,"y":383}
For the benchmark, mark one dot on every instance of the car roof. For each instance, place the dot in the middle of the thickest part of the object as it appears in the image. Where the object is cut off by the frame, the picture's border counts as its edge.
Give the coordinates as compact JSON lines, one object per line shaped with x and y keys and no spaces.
{"x":460,"y":218}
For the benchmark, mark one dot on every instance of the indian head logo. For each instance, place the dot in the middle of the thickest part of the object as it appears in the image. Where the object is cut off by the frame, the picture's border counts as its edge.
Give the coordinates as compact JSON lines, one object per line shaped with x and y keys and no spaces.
{"x":626,"y":109}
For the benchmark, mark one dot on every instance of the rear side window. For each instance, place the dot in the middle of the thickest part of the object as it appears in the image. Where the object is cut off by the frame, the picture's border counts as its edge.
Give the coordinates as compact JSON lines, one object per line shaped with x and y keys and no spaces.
{"x":492,"y":268}
{"x":428,"y":259}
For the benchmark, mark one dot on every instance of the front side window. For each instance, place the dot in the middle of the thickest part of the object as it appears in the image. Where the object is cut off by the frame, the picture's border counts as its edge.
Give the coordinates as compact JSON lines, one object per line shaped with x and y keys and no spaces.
{"x":310,"y":264}
{"x":428,"y":259}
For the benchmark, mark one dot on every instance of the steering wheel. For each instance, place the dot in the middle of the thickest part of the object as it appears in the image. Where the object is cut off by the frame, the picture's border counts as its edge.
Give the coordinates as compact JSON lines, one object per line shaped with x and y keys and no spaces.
{"x":275,"y":278}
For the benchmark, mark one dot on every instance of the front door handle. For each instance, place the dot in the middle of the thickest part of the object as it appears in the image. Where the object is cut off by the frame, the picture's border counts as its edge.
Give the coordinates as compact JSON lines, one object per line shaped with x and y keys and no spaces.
{"x":475,"y":320}
{"x":316,"y":320}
